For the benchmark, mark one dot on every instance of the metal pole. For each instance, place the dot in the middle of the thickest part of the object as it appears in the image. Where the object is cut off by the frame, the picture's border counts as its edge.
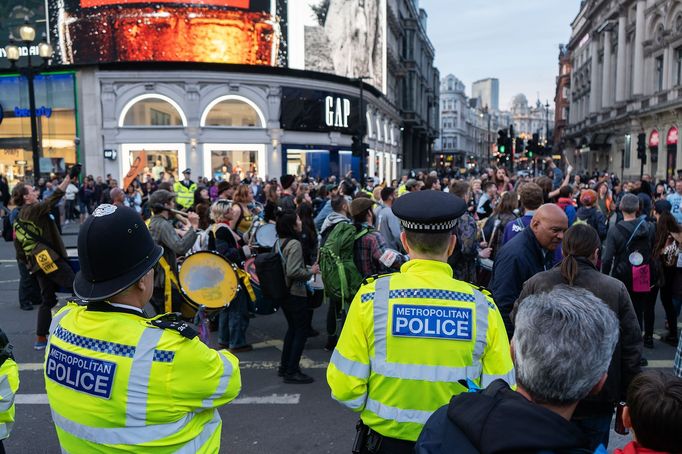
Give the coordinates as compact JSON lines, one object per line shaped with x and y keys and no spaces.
{"x":362,"y":135}
{"x":489,"y":141}
{"x":35,"y":147}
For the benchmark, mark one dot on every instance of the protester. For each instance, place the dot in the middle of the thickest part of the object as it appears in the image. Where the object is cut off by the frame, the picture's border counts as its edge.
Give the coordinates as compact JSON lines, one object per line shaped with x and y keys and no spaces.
{"x":286,"y":199}
{"x":503,"y":214}
{"x":164,"y":234}
{"x":551,"y":380}
{"x":487,"y":202}
{"x":310,"y":245}
{"x":557,"y":174}
{"x":387,"y":223}
{"x":233,"y":321}
{"x":202,"y":207}
{"x":634,"y":235}
{"x":39,"y":246}
{"x":242,"y":217}
{"x":667,"y":250}
{"x":578,"y":269}
{"x":591,"y":215}
{"x":675,"y":200}
{"x":530,"y":198}
{"x":526,"y":255}
{"x":465,"y":256}
{"x":653,"y":413}
{"x":295,"y":306}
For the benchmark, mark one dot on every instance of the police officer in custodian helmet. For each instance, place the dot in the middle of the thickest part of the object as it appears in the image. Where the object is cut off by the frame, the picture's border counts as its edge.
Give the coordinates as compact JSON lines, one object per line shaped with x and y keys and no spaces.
{"x":414,"y":339}
{"x":118,"y":381}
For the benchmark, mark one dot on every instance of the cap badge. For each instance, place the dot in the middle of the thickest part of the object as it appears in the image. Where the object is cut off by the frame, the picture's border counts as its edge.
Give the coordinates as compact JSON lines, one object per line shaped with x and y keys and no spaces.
{"x":104,"y":210}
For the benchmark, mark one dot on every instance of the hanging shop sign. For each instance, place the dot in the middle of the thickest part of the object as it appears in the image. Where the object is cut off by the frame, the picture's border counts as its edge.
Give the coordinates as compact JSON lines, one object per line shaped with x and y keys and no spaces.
{"x":316,"y":110}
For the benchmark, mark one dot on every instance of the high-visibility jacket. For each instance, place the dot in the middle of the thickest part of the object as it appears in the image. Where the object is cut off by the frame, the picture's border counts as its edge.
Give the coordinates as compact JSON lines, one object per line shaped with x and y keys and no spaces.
{"x":185,"y":195}
{"x":408,"y":339}
{"x":9,"y":384}
{"x":119,"y":382}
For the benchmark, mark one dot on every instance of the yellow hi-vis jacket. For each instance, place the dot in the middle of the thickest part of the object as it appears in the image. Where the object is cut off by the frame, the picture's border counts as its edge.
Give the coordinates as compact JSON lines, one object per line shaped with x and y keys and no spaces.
{"x":118,"y":383}
{"x":9,"y":384}
{"x":408,"y":338}
{"x":185,"y":195}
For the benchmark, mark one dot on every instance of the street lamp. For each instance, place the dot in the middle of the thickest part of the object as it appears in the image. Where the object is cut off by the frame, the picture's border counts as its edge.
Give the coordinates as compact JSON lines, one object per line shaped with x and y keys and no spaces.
{"x":27,"y":33}
{"x":547,"y":122}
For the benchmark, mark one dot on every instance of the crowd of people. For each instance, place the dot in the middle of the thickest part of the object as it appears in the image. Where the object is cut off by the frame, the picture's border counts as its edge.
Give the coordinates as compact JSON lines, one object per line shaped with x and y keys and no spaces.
{"x":573,"y":263}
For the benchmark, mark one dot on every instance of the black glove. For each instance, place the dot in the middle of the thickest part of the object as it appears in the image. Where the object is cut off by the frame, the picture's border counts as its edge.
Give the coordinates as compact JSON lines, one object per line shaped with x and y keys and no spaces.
{"x":75,"y":171}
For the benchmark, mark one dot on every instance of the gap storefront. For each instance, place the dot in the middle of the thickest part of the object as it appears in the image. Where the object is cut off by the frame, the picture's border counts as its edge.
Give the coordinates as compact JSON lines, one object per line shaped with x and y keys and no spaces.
{"x":57,"y":121}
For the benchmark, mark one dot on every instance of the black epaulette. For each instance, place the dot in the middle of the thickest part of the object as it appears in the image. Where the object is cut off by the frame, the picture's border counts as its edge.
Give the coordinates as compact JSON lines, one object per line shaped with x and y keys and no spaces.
{"x":482,"y":289}
{"x":374,"y":277}
{"x":174,"y":322}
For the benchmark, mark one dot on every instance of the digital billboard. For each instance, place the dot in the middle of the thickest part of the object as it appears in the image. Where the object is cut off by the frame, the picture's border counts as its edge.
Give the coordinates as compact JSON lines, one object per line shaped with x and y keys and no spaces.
{"x":212,"y":31}
{"x":342,"y":37}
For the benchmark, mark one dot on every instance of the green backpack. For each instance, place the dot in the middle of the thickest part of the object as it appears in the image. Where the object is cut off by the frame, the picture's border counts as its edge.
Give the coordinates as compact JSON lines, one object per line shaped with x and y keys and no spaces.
{"x":340,"y":275}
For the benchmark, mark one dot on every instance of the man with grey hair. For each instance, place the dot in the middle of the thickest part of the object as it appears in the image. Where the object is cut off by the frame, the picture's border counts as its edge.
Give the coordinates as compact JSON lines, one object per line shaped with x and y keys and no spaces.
{"x":561,"y":348}
{"x":629,"y":247}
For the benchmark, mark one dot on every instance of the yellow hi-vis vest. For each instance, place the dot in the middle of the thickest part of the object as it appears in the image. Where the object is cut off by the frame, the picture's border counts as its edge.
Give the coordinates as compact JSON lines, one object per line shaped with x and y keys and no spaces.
{"x":9,"y":384}
{"x":185,"y":195}
{"x":408,"y":338}
{"x":117,"y":383}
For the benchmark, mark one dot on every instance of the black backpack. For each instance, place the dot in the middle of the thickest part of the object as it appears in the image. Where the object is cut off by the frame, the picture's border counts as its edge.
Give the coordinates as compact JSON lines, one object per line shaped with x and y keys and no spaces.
{"x":623,"y":269}
{"x":271,"y":273}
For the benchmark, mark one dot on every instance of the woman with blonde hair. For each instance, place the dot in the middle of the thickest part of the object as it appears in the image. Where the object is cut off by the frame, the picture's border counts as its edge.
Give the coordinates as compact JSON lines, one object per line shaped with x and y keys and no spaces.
{"x":242,"y":218}
{"x":234,"y":319}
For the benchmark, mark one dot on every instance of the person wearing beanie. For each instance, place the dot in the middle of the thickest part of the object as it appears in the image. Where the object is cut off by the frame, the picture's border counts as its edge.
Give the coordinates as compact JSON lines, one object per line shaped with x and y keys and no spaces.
{"x":591,"y":215}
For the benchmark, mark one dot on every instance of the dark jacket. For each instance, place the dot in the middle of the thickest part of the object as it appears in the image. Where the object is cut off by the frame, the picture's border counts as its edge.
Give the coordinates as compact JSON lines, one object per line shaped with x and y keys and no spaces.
{"x":497,"y":420}
{"x":614,"y":259}
{"x":625,"y":362}
{"x":595,"y":219}
{"x":518,"y":260}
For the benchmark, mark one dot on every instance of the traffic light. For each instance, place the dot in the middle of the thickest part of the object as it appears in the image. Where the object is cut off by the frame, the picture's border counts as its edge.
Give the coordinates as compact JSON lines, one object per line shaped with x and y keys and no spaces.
{"x":520,"y":146}
{"x":641,"y":146}
{"x":358,"y":148}
{"x":502,"y":140}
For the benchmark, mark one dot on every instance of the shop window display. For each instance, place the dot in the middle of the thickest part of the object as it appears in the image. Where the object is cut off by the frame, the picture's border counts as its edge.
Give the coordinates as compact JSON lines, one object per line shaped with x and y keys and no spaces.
{"x":152,"y":112}
{"x":233,"y":164}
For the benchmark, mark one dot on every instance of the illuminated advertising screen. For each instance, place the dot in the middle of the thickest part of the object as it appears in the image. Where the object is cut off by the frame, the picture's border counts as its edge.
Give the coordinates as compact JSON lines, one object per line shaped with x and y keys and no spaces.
{"x":210,"y":31}
{"x":342,"y":37}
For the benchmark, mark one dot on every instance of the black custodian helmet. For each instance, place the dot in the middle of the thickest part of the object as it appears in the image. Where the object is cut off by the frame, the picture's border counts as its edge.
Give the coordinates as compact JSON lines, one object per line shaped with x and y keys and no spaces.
{"x":115,"y":250}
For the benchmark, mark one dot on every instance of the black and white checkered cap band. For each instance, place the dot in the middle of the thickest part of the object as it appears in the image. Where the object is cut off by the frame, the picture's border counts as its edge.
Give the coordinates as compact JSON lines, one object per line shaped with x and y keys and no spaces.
{"x":433,"y":227}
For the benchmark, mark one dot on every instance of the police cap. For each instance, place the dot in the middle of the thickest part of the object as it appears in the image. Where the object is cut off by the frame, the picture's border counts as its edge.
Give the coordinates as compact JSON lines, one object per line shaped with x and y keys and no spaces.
{"x":428,"y":211}
{"x":115,"y":250}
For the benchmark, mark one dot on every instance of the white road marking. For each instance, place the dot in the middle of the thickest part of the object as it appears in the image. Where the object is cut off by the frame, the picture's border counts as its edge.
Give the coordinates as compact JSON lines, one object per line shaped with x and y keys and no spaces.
{"x":11,"y":281}
{"x":8,"y":261}
{"x":272,"y":399}
{"x":30,"y":366}
{"x":660,"y":363}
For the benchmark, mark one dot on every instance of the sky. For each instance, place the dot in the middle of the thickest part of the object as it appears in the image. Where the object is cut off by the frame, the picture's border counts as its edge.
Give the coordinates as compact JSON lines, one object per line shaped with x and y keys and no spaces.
{"x":515,"y":41}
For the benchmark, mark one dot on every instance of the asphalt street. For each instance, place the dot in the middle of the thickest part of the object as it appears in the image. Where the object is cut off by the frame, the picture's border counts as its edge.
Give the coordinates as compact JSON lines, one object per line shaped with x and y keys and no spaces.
{"x":268,"y":417}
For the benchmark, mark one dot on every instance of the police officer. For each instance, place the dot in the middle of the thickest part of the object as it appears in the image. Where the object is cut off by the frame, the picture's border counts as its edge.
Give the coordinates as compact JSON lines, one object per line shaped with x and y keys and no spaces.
{"x":9,"y":384}
{"x":118,"y":381}
{"x":185,"y":190}
{"x":415,"y":338}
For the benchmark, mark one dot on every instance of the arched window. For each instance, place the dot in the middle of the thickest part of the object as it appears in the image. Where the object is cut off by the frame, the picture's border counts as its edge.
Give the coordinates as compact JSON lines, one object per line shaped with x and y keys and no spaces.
{"x":152,"y":110}
{"x":233,"y":111}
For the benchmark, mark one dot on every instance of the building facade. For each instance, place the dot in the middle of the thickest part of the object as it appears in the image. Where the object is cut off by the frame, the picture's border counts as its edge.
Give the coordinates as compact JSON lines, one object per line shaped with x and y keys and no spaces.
{"x":561,"y":99}
{"x":487,"y":91}
{"x":531,"y":119}
{"x":468,"y":130}
{"x":269,"y":113}
{"x":626,"y":80}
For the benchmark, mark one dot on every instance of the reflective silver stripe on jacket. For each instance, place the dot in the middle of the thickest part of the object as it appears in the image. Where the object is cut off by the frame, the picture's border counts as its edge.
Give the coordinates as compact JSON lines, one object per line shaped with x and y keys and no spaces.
{"x":200,"y":440}
{"x":381,"y":366}
{"x":223,"y":383}
{"x":349,"y":367}
{"x":397,"y":414}
{"x":56,"y":319}
{"x":138,"y":381}
{"x":6,"y":394}
{"x":5,"y":429}
{"x":509,"y":377}
{"x":120,"y":435}
{"x":353,"y":404}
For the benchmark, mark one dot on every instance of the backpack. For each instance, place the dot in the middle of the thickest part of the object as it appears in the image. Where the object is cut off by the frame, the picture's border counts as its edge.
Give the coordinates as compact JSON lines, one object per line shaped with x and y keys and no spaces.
{"x":270,"y":273}
{"x":340,"y":275}
{"x":636,"y":277}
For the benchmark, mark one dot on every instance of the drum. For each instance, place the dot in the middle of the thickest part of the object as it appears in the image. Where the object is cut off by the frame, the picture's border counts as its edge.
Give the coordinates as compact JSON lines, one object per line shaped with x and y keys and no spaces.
{"x":266,"y":235}
{"x":209,"y":279}
{"x":263,"y":306}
